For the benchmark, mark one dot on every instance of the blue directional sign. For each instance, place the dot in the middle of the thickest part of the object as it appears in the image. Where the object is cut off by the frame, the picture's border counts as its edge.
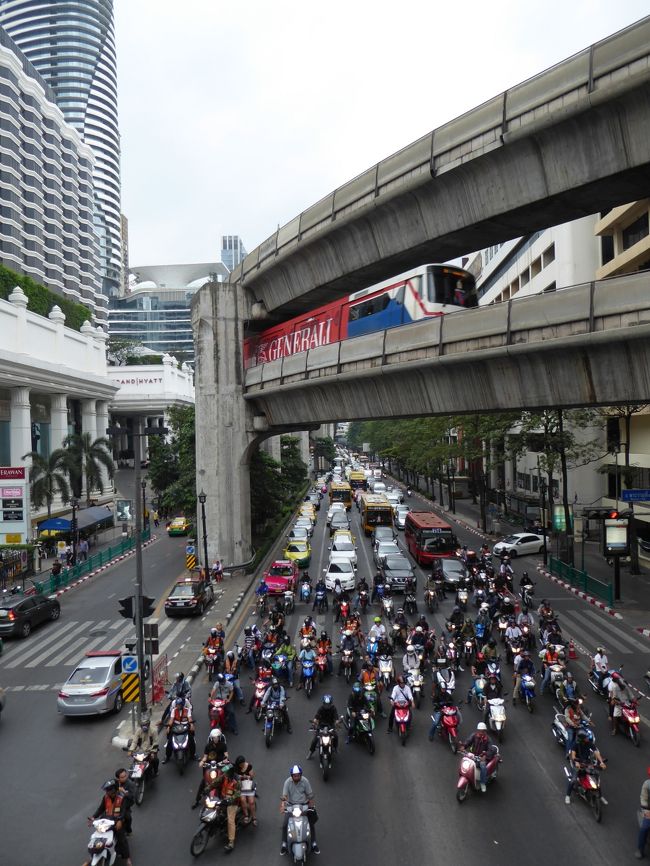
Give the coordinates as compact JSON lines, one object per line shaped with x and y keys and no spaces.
{"x":130,"y":664}
{"x":189,"y":548}
{"x":635,"y":495}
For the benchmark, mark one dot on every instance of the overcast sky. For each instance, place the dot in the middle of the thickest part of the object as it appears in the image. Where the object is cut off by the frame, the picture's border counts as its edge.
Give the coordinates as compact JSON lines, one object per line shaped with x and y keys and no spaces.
{"x":235,"y":116}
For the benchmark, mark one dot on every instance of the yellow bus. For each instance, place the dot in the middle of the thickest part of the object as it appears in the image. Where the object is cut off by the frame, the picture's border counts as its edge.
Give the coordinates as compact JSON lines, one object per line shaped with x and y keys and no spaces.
{"x":340,"y":491}
{"x":376,"y":510}
{"x":358,"y":479}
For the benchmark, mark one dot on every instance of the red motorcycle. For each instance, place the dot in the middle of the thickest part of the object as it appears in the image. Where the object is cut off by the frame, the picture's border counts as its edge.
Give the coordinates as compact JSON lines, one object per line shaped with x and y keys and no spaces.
{"x":448,"y":727}
{"x":403,"y":719}
{"x":261,"y":685}
{"x":212,"y":661}
{"x":629,"y":721}
{"x":469,"y":773}
{"x":217,"y":713}
{"x":321,"y":665}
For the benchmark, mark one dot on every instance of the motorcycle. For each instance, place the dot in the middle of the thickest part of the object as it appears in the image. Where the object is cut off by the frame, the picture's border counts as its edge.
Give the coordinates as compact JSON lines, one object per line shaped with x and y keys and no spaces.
{"x":372,"y":648}
{"x":526,"y":594}
{"x":527,"y":691}
{"x":360,"y":728}
{"x":387,"y":607}
{"x":371,"y":696}
{"x":558,"y":672}
{"x":213,"y":815}
{"x":502,"y":625}
{"x":594,"y":680}
{"x":469,"y":774}
{"x":497,"y":716}
{"x":217,"y":713}
{"x":181,"y":745}
{"x":262,"y":606}
{"x":321,"y":600}
{"x":402,"y":719}
{"x":479,"y":596}
{"x":410,"y":603}
{"x":308,"y":671}
{"x":298,"y":832}
{"x":321,"y":665}
{"x":274,"y":717}
{"x":347,"y":664}
{"x":451,"y":653}
{"x":431,"y":600}
{"x":279,"y":666}
{"x":101,"y":846}
{"x":415,"y":680}
{"x":480,"y":630}
{"x":559,"y":728}
{"x":629,"y":720}
{"x":364,"y":600}
{"x":462,"y":597}
{"x":478,"y":692}
{"x":325,"y":738}
{"x":386,"y":670}
{"x":289,"y":602}
{"x":587,"y":787}
{"x":261,"y":685}
{"x":448,"y":727}
{"x":468,"y":651}
{"x":212,"y":661}
{"x":494,"y":669}
{"x":398,"y":635}
{"x":141,"y":771}
{"x":341,"y":610}
{"x":527,"y":637}
{"x":513,"y":648}
{"x":305,"y":591}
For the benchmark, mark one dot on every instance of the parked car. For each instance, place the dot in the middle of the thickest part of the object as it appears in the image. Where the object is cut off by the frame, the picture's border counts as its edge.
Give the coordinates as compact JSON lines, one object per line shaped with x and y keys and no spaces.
{"x":94,"y":686}
{"x":190,"y":596}
{"x":384,"y":548}
{"x":519,"y":544}
{"x":396,"y":571}
{"x":341,"y":570}
{"x":298,"y":552}
{"x":19,"y":614}
{"x":180,"y":526}
{"x":281,"y":576}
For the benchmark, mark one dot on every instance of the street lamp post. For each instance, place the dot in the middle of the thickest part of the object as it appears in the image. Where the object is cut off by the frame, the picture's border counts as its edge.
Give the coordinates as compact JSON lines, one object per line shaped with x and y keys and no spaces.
{"x":202,"y":499}
{"x":542,"y":504}
{"x":73,"y":526}
{"x":450,"y":480}
{"x":143,"y":484}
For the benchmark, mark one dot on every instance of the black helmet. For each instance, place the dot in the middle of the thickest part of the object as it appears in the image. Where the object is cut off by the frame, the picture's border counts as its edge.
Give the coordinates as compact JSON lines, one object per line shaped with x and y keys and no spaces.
{"x":110,"y":785}
{"x":524,"y":574}
{"x":492,"y":643}
{"x":180,"y":676}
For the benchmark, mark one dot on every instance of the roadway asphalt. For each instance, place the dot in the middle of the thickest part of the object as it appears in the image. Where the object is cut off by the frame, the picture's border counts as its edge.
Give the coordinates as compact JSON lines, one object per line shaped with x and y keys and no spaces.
{"x":400,"y":802}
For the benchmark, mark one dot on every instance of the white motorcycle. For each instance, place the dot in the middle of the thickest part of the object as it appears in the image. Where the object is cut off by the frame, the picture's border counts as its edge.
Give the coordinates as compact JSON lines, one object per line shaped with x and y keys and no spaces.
{"x":385,"y":670}
{"x":387,"y":606}
{"x":298,"y":833}
{"x":497,"y":716}
{"x":415,"y":680}
{"x":102,"y":842}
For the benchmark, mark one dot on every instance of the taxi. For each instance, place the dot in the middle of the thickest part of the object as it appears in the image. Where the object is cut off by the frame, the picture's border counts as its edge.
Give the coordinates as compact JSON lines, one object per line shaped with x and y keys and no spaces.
{"x":282,"y":576}
{"x":308,"y":511}
{"x":342,"y":535}
{"x":179,"y":526}
{"x":298,"y":552}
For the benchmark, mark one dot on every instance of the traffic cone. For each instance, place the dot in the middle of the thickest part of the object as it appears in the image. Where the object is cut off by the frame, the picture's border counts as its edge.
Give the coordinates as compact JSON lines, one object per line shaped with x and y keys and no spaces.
{"x":572,"y":650}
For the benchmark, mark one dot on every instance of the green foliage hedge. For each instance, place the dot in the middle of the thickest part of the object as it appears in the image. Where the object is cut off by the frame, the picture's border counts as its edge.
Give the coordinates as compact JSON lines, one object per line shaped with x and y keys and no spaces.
{"x":41,"y":300}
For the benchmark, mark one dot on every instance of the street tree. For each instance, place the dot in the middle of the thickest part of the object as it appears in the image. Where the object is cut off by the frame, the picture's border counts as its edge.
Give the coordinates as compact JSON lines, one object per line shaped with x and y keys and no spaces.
{"x":88,"y":461}
{"x":48,"y":476}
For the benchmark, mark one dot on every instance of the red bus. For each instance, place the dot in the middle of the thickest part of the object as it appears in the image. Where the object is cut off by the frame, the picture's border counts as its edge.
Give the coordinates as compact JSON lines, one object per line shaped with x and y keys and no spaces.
{"x":428,"y":537}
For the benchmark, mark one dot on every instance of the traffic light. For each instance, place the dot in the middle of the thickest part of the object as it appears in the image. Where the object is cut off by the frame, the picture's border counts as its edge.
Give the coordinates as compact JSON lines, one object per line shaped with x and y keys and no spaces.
{"x":613,"y":514}
{"x":126,"y":607}
{"x":147,"y":606}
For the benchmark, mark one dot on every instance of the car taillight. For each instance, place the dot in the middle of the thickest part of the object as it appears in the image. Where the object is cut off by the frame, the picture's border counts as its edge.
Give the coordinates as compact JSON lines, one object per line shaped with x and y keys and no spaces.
{"x":64,"y":695}
{"x":100,"y":694}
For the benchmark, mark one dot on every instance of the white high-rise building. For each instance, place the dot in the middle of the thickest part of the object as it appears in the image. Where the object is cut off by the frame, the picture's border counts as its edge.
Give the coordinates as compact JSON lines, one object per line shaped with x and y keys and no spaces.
{"x":72,"y":45}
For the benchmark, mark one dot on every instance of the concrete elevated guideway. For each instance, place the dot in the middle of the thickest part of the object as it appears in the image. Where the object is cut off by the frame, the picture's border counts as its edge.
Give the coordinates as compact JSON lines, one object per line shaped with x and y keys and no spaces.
{"x":587,"y":345}
{"x":570,"y":141}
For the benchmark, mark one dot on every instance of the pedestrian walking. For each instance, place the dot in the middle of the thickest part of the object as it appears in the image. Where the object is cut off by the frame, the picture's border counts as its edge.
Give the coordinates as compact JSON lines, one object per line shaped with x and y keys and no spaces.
{"x":83,"y":549}
{"x":217,"y":570}
{"x":644,"y":818}
{"x":156,"y":519}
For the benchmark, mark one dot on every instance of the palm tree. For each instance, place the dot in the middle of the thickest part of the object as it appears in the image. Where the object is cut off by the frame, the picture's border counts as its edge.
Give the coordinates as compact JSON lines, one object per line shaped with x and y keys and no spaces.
{"x":85,"y":458}
{"x":47,"y":477}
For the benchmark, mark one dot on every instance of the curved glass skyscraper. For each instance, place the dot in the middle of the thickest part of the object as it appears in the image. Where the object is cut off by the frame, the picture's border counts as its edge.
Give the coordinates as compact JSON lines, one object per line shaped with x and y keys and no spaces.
{"x":72,"y":44}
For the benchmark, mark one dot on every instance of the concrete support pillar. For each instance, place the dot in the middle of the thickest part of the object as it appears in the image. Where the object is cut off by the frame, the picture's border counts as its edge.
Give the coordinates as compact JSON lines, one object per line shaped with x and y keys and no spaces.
{"x":100,"y":432}
{"x":58,"y":420}
{"x":88,"y":425}
{"x":21,"y":425}
{"x":273,"y":447}
{"x":225,"y":434}
{"x":303,"y":437}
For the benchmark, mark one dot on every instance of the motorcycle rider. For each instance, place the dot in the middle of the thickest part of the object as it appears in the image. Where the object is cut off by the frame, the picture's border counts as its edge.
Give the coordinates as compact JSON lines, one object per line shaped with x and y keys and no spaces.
{"x":418,"y":637}
{"x":324,"y":646}
{"x":583,"y":753}
{"x":308,"y":629}
{"x":600,"y":664}
{"x":307,"y":654}
{"x":456,"y":619}
{"x":326,"y":716}
{"x":401,"y":692}
{"x":479,"y":670}
{"x":286,"y":649}
{"x":321,"y":587}
{"x":231,"y":667}
{"x":216,"y":749}
{"x":224,"y":690}
{"x":377,"y":630}
{"x":143,"y":740}
{"x":489,"y":650}
{"x":493,"y":689}
{"x":262,"y":591}
{"x":297,"y":791}
{"x":467,"y":631}
{"x":370,"y":674}
{"x":524,"y":666}
{"x":180,"y":689}
{"x":401,"y":621}
{"x":377,"y":580}
{"x":113,"y":806}
{"x":180,"y":713}
{"x":411,"y":660}
{"x":484,"y":618}
{"x":355,"y":704}
{"x":277,"y":694}
{"x":524,"y":581}
{"x":573,"y":717}
{"x":438,"y":705}
{"x":347,"y":643}
{"x":362,"y":586}
{"x":568,"y":690}
{"x":479,"y":744}
{"x":245,"y":777}
{"x":550,"y":656}
{"x":617,"y":693}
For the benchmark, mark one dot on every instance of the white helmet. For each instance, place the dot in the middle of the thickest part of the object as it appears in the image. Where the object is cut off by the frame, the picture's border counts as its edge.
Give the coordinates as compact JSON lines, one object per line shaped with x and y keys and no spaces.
{"x":485,"y":605}
{"x":481,"y":726}
{"x":410,"y":648}
{"x":215,"y":735}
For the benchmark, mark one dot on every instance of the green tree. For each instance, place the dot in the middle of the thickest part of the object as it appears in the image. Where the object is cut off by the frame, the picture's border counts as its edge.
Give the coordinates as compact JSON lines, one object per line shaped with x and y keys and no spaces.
{"x":266,"y":491}
{"x":176,"y":468}
{"x":324,"y":447}
{"x":85,"y":459}
{"x":294,"y":469}
{"x":47,"y":477}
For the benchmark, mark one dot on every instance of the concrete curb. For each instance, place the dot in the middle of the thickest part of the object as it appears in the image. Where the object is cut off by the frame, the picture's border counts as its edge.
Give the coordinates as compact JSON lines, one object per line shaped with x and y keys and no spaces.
{"x":103,"y":568}
{"x":583,"y":595}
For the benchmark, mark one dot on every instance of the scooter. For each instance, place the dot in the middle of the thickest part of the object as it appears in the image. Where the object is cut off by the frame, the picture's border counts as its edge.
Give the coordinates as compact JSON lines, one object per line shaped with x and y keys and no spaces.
{"x":469,"y":774}
{"x":415,"y":680}
{"x":298,"y":832}
{"x":321,"y":665}
{"x":387,"y":606}
{"x":289,"y":602}
{"x":527,"y":691}
{"x":141,"y":771}
{"x":181,"y":744}
{"x":402,"y":719}
{"x":468,"y":651}
{"x":448,"y":727}
{"x":321,"y":600}
{"x":101,"y":846}
{"x":273,"y":718}
{"x":305,"y":591}
{"x":478,"y":693}
{"x":347,"y":664}
{"x":629,"y":721}
{"x":325,"y":737}
{"x":213,"y":816}
{"x":462,"y":597}
{"x":212,"y":661}
{"x":361,"y":727}
{"x":559,"y":728}
{"x":587,"y":787}
{"x":217,"y":713}
{"x":364,"y":600}
{"x":526,"y":593}
{"x":308,"y":671}
{"x":410,"y":603}
{"x":497,"y":716}
{"x":386,"y":670}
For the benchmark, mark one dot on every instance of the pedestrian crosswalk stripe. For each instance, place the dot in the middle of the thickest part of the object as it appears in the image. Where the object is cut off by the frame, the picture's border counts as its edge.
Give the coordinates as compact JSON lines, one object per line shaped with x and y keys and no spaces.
{"x":82,"y":627}
{"x":60,"y":656}
{"x":618,"y":634}
{"x":18,"y":654}
{"x":588,"y":633}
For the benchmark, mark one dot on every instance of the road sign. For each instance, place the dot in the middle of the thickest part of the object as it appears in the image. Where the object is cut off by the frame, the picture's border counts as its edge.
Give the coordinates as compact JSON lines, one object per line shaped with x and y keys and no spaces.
{"x":189,"y":548}
{"x":130,"y":664}
{"x":151,"y":630}
{"x":151,"y":646}
{"x":131,"y":687}
{"x":635,"y":495}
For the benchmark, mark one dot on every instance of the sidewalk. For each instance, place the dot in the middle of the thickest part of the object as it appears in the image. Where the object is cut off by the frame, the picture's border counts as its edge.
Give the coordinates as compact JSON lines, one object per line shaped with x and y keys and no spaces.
{"x":634,"y":605}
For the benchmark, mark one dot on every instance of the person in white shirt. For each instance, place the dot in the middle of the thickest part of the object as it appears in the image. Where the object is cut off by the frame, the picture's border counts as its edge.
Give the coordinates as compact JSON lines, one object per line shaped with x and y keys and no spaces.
{"x":400,"y":693}
{"x":617,"y":693}
{"x":600,"y":664}
{"x":410,"y":660}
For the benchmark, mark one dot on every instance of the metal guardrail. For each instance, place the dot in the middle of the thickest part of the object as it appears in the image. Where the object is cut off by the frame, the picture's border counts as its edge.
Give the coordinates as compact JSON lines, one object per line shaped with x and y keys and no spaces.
{"x":582,"y":580}
{"x":102,"y":557}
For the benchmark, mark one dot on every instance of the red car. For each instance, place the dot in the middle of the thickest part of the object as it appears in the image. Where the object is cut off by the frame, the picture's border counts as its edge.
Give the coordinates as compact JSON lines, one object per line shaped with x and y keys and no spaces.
{"x":281,"y":576}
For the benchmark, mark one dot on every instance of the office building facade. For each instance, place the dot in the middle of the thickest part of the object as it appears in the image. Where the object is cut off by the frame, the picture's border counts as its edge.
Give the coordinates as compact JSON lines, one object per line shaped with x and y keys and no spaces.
{"x":72,"y":45}
{"x":46,"y":189}
{"x":232,"y":251}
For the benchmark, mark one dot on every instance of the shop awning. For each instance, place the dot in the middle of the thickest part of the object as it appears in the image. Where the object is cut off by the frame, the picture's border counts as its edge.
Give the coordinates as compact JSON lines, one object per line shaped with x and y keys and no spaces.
{"x":86,"y":517}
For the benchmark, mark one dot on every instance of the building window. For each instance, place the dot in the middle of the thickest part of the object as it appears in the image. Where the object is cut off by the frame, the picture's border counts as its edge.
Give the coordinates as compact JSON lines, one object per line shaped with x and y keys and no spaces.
{"x":606,"y":249}
{"x":550,"y":288}
{"x":548,"y":256}
{"x":635,"y":232}
{"x":525,"y":277}
{"x":536,"y":267}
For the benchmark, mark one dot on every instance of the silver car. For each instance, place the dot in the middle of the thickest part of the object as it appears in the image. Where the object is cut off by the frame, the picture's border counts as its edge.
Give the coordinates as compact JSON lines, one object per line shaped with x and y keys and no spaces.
{"x":94,"y":686}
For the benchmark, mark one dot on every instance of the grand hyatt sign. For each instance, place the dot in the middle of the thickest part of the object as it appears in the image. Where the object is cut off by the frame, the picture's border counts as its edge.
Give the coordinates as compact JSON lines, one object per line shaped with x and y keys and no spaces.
{"x":310,"y":337}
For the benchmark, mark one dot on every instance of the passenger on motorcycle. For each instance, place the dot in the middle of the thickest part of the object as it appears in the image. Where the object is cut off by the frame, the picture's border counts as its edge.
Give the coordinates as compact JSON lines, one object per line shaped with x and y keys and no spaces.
{"x":479,"y":744}
{"x":180,"y":713}
{"x":347,"y":643}
{"x":231,"y":667}
{"x":493,"y":689}
{"x":230,"y":793}
{"x":479,"y":670}
{"x":573,"y":717}
{"x":215,"y":750}
{"x":326,"y":716}
{"x":277,"y":695}
{"x":581,"y":756}
{"x":224,"y":690}
{"x":524,"y":666}
{"x":617,"y":693}
{"x":144,"y":740}
{"x":600,"y":664}
{"x":401,"y":692}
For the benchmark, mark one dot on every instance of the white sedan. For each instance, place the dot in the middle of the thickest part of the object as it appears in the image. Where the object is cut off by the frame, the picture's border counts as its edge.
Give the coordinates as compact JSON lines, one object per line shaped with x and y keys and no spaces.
{"x":342,"y":548}
{"x":335,"y":506}
{"x":342,"y":570}
{"x":519,"y":544}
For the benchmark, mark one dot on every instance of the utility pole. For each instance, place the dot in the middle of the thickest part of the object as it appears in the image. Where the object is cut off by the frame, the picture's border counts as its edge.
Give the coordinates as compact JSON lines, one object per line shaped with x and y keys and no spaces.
{"x":139,"y":630}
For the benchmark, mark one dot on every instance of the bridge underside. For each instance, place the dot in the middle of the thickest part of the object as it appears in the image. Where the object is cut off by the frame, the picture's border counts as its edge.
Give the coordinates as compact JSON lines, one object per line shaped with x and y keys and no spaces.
{"x":599,"y":369}
{"x":588,"y":163}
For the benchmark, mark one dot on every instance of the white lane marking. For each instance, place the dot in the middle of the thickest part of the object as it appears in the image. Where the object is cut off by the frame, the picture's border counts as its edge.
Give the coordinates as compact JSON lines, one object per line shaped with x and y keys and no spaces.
{"x":48,"y":652}
{"x":115,"y":641}
{"x":173,"y":634}
{"x":73,"y":646}
{"x":620,"y":635}
{"x":587,"y":632}
{"x":15,"y":660}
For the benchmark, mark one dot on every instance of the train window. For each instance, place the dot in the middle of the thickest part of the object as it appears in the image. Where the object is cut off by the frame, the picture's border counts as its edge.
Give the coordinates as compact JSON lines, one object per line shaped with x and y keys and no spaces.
{"x":369,"y":307}
{"x":451,"y":288}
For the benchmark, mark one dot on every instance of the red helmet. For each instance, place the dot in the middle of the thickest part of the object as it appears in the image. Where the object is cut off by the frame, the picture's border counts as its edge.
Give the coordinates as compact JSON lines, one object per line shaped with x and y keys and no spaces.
{"x":480,"y":657}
